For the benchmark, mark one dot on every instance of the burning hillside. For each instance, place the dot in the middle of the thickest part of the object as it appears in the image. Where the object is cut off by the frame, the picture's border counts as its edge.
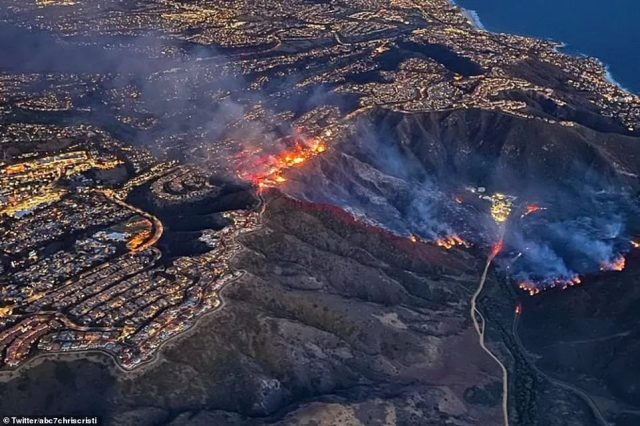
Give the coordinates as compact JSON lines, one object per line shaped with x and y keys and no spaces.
{"x":265,"y":170}
{"x":569,"y":222}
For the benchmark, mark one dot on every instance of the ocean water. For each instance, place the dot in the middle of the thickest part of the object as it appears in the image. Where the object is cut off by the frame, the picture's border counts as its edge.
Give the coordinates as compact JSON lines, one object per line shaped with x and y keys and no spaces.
{"x":606,"y":29}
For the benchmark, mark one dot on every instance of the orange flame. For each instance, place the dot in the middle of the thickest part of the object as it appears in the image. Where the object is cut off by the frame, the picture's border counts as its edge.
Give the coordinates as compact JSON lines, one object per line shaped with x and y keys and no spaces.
{"x":497,"y":248}
{"x":533,"y":289}
{"x":635,"y":244}
{"x":529,"y":287}
{"x":275,"y":166}
{"x":532,"y":208}
{"x":616,"y":264}
{"x":319,"y":147}
{"x":451,"y":241}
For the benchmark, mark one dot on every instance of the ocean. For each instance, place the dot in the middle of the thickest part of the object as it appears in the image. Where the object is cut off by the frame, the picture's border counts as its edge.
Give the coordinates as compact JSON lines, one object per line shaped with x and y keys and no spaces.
{"x":607,"y":30}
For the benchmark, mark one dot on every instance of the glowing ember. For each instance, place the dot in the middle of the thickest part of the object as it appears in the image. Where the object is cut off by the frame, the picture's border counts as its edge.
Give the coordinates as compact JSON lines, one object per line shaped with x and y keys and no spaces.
{"x":533,"y":288}
{"x":635,"y":244}
{"x":272,"y":168}
{"x":497,"y":248}
{"x":295,"y":160}
{"x":617,"y":264}
{"x":518,"y":308}
{"x":532,"y":208}
{"x":413,"y":238}
{"x":319,"y":147}
{"x":529,"y":287}
{"x":570,"y":282}
{"x":451,"y":241}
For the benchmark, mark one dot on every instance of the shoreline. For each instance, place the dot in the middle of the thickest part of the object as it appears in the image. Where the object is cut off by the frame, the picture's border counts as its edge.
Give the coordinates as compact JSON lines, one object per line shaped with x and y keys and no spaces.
{"x":472,"y":15}
{"x":474,"y":18}
{"x":611,"y":79}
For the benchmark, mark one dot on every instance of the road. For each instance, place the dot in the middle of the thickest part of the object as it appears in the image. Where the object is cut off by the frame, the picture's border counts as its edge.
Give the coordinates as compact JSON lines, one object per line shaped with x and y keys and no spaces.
{"x":158,"y":228}
{"x":586,"y":398}
{"x":480,"y":329}
{"x":9,"y":374}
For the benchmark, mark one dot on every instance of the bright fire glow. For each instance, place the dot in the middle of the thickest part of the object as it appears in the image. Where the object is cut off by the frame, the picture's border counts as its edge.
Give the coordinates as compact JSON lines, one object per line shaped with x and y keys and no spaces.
{"x":616,"y":264}
{"x":497,"y":248}
{"x":451,"y":241}
{"x":529,"y":287}
{"x":272,"y":168}
{"x":533,"y":288}
{"x":532,"y":208}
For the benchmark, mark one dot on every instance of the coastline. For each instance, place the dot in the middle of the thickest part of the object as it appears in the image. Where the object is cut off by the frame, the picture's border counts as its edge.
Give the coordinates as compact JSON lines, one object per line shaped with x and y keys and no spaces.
{"x":472,"y":15}
{"x":474,"y":18}
{"x":611,"y":79}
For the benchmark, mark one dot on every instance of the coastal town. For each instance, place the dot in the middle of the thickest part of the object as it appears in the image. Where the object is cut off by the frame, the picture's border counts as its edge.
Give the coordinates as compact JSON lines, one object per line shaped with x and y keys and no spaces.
{"x":106,"y":289}
{"x":98,"y":248}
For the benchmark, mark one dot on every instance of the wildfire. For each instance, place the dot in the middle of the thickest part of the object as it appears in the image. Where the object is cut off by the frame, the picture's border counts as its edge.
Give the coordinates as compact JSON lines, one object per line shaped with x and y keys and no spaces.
{"x":497,"y":248}
{"x":529,"y":287}
{"x":568,"y":282}
{"x":532,"y":208}
{"x":617,"y":264}
{"x":291,"y":160}
{"x":275,"y":166}
{"x":413,"y":238}
{"x":533,"y":288}
{"x":519,"y":309}
{"x":451,"y":241}
{"x":320,"y":147}
{"x":635,"y":244}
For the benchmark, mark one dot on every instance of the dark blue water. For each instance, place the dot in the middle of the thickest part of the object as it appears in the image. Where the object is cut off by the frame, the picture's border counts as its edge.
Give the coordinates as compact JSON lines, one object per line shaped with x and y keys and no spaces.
{"x":606,"y":29}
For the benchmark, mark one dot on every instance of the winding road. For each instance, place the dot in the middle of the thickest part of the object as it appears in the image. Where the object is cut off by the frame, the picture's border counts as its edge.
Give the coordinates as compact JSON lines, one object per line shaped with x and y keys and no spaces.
{"x":583,"y":395}
{"x":480,"y":329}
